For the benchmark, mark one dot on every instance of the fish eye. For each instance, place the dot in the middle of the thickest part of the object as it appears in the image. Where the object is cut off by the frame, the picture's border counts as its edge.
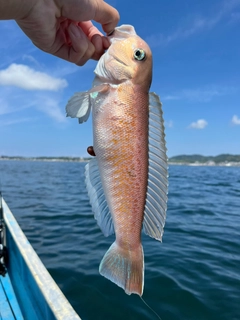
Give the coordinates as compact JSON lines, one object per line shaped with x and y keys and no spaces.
{"x":139,"y":54}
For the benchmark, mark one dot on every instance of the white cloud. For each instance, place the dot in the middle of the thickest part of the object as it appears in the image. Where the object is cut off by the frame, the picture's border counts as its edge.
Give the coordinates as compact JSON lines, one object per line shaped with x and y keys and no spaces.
{"x":172,"y":97}
{"x":14,"y":121}
{"x":199,"y":124}
{"x":168,"y":124}
{"x":13,"y":100}
{"x":24,"y":77}
{"x":204,"y":94}
{"x":50,"y":106}
{"x":235,"y":17}
{"x":4,"y":108}
{"x":235,"y":120}
{"x":197,"y":25}
{"x":31,"y":59}
{"x":16,"y":103}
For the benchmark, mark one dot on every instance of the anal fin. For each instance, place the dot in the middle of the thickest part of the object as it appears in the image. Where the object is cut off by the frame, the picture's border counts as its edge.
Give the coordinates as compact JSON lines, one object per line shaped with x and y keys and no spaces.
{"x":97,"y":198}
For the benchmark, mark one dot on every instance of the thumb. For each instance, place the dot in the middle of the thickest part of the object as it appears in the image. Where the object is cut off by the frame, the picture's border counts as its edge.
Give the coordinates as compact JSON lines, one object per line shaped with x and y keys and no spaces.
{"x":86,"y":10}
{"x":106,"y":15}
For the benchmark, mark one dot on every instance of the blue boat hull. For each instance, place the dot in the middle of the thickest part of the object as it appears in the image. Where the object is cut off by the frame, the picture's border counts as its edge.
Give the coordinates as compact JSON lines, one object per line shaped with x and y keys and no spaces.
{"x":31,"y":291}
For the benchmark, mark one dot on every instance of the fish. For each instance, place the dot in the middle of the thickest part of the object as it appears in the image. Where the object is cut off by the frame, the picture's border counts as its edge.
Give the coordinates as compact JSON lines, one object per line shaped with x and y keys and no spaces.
{"x":127,"y":180}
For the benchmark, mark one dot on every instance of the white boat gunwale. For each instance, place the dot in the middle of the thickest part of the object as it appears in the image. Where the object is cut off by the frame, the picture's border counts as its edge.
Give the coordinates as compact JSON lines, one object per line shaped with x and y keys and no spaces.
{"x":46,"y":300}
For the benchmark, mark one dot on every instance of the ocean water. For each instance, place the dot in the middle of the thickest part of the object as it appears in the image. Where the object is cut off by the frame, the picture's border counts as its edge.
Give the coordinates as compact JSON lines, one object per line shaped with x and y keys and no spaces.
{"x":193,"y":275}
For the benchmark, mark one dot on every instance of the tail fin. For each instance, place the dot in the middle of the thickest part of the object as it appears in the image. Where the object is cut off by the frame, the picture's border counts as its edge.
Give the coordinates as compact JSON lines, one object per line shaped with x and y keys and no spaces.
{"x":124,"y":267}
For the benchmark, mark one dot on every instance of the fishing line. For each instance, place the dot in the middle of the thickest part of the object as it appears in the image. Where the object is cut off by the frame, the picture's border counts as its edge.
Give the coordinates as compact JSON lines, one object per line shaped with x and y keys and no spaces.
{"x":150,"y":308}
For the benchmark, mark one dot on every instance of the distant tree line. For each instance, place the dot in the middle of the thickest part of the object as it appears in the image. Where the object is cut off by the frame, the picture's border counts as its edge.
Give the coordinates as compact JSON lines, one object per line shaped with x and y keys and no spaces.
{"x":177,"y":159}
{"x":44,"y":158}
{"x":203,"y":159}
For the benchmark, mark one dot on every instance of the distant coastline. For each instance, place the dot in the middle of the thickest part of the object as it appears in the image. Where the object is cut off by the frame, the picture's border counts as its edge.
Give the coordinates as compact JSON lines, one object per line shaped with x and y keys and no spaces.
{"x":53,"y":159}
{"x":206,"y":164}
{"x":226,"y":160}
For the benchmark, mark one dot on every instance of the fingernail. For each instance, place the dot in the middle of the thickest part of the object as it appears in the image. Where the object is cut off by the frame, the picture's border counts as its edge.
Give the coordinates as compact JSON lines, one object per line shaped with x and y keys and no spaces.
{"x":106,"y":43}
{"x":111,"y":33}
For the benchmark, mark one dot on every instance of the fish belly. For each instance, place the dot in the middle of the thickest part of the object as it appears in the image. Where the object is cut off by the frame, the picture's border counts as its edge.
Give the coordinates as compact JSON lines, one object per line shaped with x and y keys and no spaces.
{"x":121,"y":147}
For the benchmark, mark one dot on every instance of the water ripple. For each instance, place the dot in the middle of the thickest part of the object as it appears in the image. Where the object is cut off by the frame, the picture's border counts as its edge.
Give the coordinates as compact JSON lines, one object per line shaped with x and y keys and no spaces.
{"x":193,"y":275}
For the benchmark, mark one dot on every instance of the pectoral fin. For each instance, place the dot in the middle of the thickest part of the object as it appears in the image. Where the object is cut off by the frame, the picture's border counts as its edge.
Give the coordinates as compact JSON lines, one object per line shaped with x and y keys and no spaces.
{"x":100,"y":88}
{"x":79,"y":106}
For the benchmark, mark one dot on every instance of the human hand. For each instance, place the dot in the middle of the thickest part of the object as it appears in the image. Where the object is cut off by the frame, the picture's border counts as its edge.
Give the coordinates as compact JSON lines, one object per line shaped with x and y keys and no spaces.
{"x":64,"y":28}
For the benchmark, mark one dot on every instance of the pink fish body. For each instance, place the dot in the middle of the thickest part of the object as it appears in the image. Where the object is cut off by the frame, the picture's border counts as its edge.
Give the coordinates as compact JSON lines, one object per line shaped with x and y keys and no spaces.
{"x":127,"y":181}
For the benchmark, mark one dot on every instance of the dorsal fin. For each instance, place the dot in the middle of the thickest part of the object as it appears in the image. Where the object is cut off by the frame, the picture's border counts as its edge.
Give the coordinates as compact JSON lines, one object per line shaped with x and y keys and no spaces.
{"x":156,"y":199}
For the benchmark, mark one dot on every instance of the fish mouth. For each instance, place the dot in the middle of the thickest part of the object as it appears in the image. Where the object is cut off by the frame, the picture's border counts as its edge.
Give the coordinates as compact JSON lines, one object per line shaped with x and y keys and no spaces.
{"x":119,"y":61}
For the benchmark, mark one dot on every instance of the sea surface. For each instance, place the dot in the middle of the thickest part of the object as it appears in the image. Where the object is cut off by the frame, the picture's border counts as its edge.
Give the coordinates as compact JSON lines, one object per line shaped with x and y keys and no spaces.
{"x":193,"y":275}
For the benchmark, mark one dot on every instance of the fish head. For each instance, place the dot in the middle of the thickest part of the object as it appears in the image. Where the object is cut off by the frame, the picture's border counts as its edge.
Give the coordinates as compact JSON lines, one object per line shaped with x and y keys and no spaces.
{"x":128,"y":58}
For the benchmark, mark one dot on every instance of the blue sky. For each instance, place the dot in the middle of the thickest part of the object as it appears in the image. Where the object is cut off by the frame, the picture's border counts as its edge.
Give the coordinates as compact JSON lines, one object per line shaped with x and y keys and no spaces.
{"x":196,"y":52}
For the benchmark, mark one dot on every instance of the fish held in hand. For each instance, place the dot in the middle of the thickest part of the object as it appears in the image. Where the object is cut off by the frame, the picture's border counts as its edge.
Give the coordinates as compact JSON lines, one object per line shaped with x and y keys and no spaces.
{"x":127,"y":181}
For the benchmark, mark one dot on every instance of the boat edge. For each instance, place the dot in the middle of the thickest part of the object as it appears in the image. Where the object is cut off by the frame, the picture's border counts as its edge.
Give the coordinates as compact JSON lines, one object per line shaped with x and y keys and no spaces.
{"x":56,"y":300}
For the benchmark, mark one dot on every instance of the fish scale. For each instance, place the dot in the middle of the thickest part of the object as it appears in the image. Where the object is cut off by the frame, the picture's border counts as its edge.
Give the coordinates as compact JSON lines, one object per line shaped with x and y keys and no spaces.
{"x":132,"y":146}
{"x":127,"y":181}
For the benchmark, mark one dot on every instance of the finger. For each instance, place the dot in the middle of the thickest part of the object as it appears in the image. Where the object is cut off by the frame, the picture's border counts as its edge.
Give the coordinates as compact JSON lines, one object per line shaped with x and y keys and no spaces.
{"x":79,"y":48}
{"x":82,"y":49}
{"x":89,"y":29}
{"x":106,"y":43}
{"x":97,"y":41}
{"x":100,"y":42}
{"x":86,"y":10}
{"x":106,"y":15}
